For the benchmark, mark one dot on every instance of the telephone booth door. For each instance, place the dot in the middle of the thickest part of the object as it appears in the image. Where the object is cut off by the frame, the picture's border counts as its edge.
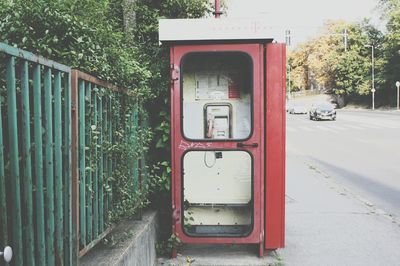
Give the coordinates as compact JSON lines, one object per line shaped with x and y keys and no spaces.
{"x":217,"y":119}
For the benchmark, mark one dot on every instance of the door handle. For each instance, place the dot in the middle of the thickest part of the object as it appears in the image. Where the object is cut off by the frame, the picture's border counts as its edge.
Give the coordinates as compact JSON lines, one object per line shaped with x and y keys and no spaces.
{"x":252,"y":145}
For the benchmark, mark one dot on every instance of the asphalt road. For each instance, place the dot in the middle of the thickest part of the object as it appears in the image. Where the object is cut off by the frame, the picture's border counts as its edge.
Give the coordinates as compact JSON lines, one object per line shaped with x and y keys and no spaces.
{"x":360,"y":150}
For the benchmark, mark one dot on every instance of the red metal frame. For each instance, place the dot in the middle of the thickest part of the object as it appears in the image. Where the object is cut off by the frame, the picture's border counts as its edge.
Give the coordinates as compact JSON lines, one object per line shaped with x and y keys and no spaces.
{"x":180,"y":144}
{"x":75,"y":165}
{"x":268,"y":131}
{"x":275,"y":146}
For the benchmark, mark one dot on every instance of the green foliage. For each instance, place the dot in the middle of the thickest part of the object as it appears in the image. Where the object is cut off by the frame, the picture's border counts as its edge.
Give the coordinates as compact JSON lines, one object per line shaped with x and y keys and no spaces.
{"x":188,"y":219}
{"x":185,"y":8}
{"x":390,"y":49}
{"x":324,"y":62}
{"x":89,"y":35}
{"x":146,"y":36}
{"x":78,"y":34}
{"x":131,"y":144}
{"x":164,"y":248}
{"x":160,"y":177}
{"x":162,"y":131}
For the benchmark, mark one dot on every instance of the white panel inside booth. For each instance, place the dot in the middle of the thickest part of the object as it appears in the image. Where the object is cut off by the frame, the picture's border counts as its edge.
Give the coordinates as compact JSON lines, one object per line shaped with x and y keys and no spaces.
{"x":217,"y":79}
{"x":212,"y":180}
{"x":217,"y":191}
{"x":193,"y":112}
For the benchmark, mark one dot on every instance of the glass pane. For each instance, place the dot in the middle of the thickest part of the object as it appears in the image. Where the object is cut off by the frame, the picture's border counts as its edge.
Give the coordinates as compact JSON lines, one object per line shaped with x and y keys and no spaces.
{"x":217,"y":194}
{"x":216,"y":95}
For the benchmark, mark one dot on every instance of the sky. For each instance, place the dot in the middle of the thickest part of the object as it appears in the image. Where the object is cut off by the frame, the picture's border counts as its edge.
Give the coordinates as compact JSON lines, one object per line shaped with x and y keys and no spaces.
{"x":304,"y":18}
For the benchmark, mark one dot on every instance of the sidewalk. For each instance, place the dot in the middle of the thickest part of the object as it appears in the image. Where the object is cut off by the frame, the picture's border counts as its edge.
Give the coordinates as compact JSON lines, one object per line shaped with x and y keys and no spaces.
{"x":328,"y":225}
{"x":325,"y":225}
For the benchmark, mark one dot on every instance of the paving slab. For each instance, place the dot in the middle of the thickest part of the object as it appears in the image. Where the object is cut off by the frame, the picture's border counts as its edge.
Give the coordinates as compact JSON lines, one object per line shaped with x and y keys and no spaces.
{"x":221,"y":255}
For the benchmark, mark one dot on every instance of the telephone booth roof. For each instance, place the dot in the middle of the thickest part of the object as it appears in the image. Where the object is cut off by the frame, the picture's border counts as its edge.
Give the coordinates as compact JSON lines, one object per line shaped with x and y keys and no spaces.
{"x":215,"y":30}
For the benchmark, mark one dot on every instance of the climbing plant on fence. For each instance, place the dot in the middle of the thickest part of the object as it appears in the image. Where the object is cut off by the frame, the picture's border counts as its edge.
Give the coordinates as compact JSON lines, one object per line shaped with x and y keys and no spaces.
{"x":72,"y":158}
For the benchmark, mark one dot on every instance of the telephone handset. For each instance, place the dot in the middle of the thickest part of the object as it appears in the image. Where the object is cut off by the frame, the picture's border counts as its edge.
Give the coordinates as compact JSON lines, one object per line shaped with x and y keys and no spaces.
{"x":210,"y":127}
{"x":218,"y":121}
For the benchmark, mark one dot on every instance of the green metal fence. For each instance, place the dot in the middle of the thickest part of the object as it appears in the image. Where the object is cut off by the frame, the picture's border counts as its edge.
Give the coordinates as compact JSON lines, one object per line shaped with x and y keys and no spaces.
{"x":99,"y":117}
{"x":57,"y":130}
{"x":35,"y":158}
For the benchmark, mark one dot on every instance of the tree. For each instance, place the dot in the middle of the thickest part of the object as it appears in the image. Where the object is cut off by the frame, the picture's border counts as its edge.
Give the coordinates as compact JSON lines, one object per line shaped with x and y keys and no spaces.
{"x":298,"y":61}
{"x":325,"y":62}
{"x":391,"y":49}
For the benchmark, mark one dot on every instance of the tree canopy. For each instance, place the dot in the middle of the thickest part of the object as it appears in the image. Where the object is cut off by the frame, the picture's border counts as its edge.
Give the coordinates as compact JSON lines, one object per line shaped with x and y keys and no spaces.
{"x":324,"y":63}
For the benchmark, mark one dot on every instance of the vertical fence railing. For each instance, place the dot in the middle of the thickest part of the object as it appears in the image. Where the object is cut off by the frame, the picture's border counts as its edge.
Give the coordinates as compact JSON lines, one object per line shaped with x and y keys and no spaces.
{"x":98,"y":118}
{"x":57,"y":128}
{"x":35,"y":158}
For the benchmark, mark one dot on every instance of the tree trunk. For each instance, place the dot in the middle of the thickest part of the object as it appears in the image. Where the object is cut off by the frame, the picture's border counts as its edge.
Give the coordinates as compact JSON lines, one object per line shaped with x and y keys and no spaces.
{"x":129,"y":18}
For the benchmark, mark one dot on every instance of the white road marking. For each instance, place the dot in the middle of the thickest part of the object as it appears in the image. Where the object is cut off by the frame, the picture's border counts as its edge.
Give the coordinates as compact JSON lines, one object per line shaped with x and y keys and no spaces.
{"x":323,"y":128}
{"x":328,"y":127}
{"x":306,"y":128}
{"x":355,"y":127}
{"x":371,"y":126}
{"x":336,"y":127}
{"x":377,"y":122}
{"x":362,"y":140}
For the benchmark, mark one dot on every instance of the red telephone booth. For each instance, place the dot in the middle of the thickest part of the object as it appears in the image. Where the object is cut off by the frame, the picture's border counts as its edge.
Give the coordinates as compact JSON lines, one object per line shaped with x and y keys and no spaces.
{"x":227,"y":131}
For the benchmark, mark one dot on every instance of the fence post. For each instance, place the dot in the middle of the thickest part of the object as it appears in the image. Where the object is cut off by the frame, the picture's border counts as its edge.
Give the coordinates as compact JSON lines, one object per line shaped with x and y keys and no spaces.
{"x":3,"y":207}
{"x":104,"y":129}
{"x":26,"y":159}
{"x":74,"y":166}
{"x":14,"y":161}
{"x":110,"y":158}
{"x":58,"y":169}
{"x":96,"y":170}
{"x":82,"y":162}
{"x":49,"y":166}
{"x":68,"y":232}
{"x":39,"y":195}
{"x":101,"y":161}
{"x":89,"y":155}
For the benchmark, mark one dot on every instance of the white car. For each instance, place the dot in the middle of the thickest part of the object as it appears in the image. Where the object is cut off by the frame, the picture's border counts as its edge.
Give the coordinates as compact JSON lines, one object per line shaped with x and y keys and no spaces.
{"x":298,"y":109}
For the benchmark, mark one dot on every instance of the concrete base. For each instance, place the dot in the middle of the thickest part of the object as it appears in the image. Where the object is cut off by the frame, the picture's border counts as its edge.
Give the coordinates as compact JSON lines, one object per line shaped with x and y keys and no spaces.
{"x":232,"y":255}
{"x":132,"y":243}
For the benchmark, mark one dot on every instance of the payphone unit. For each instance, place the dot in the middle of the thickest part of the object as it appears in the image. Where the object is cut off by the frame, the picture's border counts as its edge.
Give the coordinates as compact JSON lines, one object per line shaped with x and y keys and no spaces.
{"x":217,"y":121}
